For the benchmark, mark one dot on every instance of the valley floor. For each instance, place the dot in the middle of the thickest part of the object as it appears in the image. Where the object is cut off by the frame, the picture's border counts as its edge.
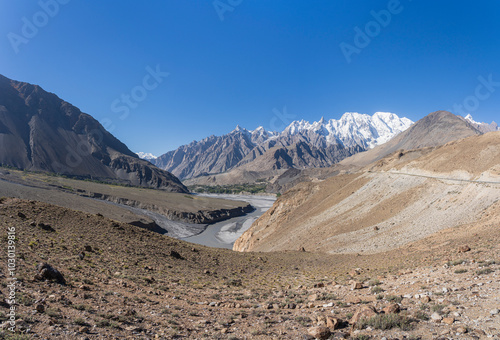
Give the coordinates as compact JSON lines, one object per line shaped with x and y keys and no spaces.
{"x":124,"y":282}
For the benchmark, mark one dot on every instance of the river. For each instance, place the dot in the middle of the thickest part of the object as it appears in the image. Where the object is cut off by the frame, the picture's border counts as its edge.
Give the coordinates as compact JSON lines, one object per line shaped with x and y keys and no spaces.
{"x":223,"y":234}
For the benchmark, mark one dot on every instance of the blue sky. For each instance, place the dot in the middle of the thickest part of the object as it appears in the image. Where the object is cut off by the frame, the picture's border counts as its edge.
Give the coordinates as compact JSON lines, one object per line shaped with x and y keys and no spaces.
{"x":420,"y":56}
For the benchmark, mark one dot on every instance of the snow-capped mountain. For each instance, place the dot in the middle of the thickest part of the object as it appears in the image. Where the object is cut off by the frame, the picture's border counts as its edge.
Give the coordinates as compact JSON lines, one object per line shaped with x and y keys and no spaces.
{"x":301,"y":144}
{"x":146,"y":155}
{"x":483,"y":127}
{"x":354,"y":128}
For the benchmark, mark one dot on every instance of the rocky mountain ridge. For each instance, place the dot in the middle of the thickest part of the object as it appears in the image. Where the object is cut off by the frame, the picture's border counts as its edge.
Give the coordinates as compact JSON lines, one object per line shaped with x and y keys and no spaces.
{"x":400,"y":192}
{"x":300,"y":145}
{"x":41,"y":132}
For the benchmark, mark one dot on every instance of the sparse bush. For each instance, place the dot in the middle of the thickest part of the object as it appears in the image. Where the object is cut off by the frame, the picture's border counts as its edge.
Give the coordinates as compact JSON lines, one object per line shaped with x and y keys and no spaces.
{"x":484,"y":271}
{"x":373,"y":283}
{"x":455,"y":262}
{"x":377,"y":289}
{"x":461,"y":271}
{"x":421,"y":315}
{"x":394,"y":298}
{"x":80,"y":322}
{"x":438,"y":308}
{"x":53,"y":312}
{"x":385,"y":322}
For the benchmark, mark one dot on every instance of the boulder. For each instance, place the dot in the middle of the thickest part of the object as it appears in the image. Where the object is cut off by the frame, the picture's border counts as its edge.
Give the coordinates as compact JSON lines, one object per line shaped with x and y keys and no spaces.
{"x":321,"y":333}
{"x":47,"y":272}
{"x":393,"y":308}
{"x":364,"y":312}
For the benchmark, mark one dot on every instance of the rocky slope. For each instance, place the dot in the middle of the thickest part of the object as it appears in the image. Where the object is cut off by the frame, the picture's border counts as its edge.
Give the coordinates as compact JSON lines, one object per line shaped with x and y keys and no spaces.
{"x":397,"y":200}
{"x":41,"y":132}
{"x":301,"y":145}
{"x":111,"y":280}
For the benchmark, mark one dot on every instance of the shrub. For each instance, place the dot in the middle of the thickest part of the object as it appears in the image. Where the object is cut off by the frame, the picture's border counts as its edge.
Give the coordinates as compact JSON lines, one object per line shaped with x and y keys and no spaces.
{"x":386,"y":322}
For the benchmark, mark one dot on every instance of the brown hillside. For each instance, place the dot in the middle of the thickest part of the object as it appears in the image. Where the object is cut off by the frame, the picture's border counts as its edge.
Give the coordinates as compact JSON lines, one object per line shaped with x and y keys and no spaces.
{"x":401,"y":199}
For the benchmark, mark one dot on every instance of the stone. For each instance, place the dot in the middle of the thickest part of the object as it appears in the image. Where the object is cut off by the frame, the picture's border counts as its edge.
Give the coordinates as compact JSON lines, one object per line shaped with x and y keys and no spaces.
{"x":494,"y":311}
{"x":356,"y":285}
{"x":363,"y":312}
{"x":353,"y":300}
{"x":332,"y":323}
{"x":47,"y":272}
{"x":83,"y":329}
{"x":436,"y":317}
{"x":448,"y":321}
{"x":393,"y":308}
{"x":461,"y":330}
{"x":463,"y":249}
{"x":40,"y":308}
{"x":87,"y":248}
{"x":312,"y":297}
{"x":425,"y":299}
{"x":321,"y":320}
{"x":321,"y":333}
{"x":319,"y":285}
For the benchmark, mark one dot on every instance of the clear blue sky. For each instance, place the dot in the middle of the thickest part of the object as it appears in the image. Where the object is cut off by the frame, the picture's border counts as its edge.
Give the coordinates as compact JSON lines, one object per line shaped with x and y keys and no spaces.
{"x":264,"y":55}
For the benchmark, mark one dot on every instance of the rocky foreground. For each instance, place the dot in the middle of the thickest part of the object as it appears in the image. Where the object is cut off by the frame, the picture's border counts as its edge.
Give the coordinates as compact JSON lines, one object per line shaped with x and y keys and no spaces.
{"x":118,"y":281}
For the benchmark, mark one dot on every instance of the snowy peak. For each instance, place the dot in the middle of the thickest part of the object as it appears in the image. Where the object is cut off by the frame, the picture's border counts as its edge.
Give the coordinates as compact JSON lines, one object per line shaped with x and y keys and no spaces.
{"x":483,"y":127}
{"x":325,"y":142}
{"x":147,"y":156}
{"x":354,"y":128}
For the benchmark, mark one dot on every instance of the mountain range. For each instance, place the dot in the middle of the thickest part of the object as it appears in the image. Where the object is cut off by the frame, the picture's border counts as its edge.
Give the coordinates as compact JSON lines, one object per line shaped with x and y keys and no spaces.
{"x":41,"y":132}
{"x":300,"y":145}
{"x":443,"y":172}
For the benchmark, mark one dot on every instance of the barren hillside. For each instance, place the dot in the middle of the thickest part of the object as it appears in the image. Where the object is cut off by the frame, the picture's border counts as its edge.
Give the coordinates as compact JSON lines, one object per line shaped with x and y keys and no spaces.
{"x":398,"y":200}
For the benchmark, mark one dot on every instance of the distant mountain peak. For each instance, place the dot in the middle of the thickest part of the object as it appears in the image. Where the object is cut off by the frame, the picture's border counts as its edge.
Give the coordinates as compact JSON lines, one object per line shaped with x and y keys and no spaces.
{"x":329,"y":141}
{"x":483,"y":127}
{"x":146,"y":155}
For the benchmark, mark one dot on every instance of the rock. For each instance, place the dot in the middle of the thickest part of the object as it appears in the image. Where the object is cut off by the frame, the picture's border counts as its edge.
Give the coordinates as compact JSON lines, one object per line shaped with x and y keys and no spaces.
{"x":461,"y":330}
{"x":224,"y":330}
{"x":291,"y":306}
{"x":480,"y":332}
{"x":425,"y":299}
{"x":321,"y":333}
{"x":436,"y":317}
{"x":321,"y":320}
{"x":302,"y":249}
{"x":353,"y":300}
{"x":45,"y":227}
{"x":332,"y":323}
{"x":87,"y":248}
{"x":356,"y":285}
{"x":83,"y":329}
{"x":363,"y":312}
{"x":319,"y":285}
{"x":448,"y":321}
{"x":20,"y":214}
{"x":40,"y":308}
{"x":175,"y":255}
{"x":81,"y":256}
{"x":312,"y":297}
{"x":463,"y":249}
{"x":47,"y":272}
{"x":393,"y":308}
{"x":494,"y":311}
